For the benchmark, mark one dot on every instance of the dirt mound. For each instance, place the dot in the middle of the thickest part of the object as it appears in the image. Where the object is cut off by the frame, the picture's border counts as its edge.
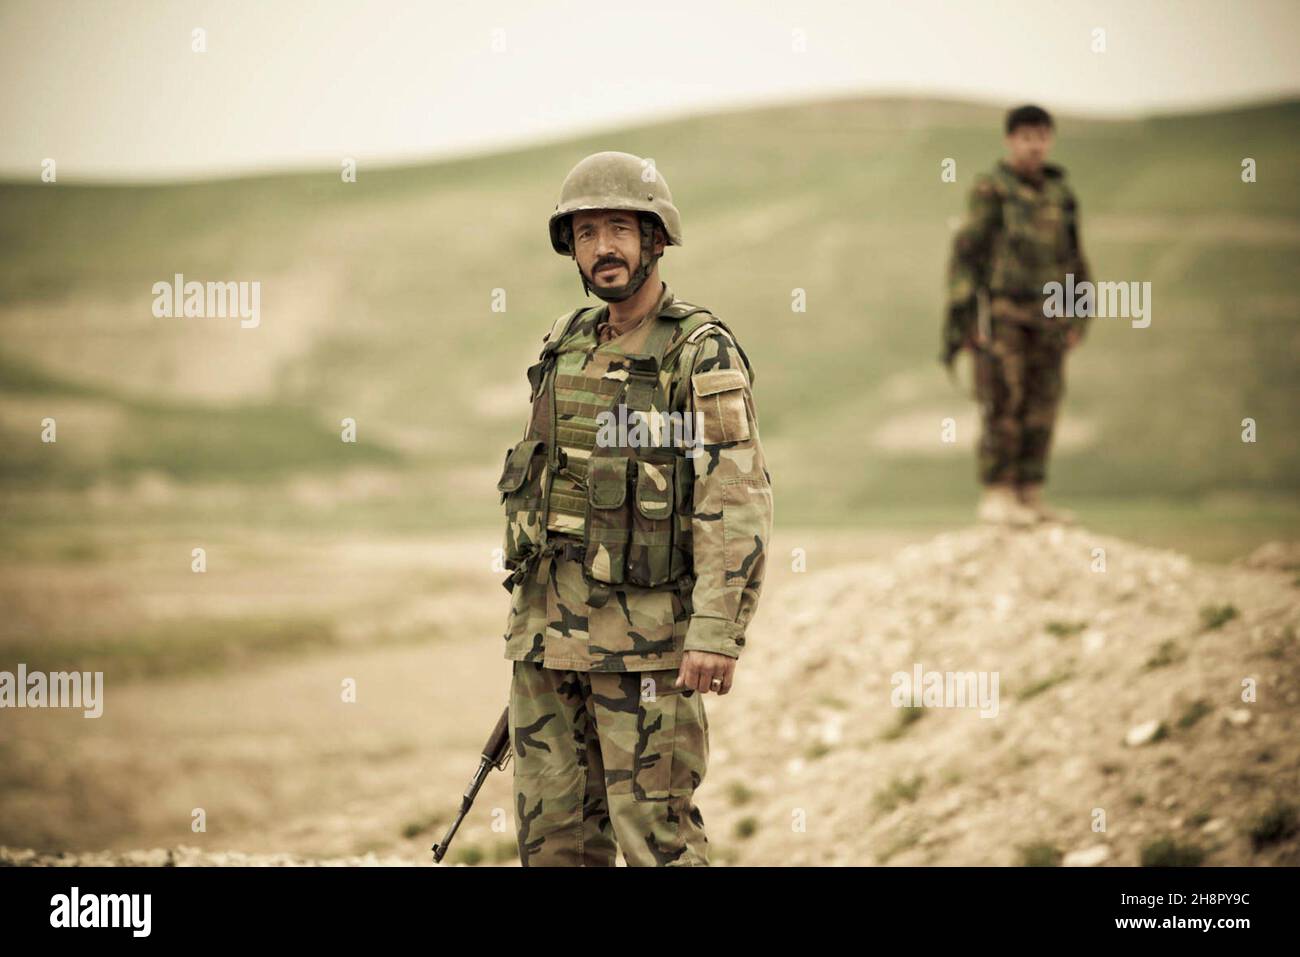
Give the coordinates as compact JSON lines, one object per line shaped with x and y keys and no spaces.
{"x":1145,"y":710}
{"x":1277,"y":556}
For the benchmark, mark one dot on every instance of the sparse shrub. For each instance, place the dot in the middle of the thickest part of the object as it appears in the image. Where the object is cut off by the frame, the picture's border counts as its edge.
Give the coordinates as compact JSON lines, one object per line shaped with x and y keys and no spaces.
{"x":470,"y":854}
{"x":1040,"y":854}
{"x":1278,"y":647}
{"x":906,"y":718}
{"x":1167,"y":852}
{"x":739,"y":793}
{"x":898,"y":791}
{"x":1065,"y":629}
{"x":1216,"y":616}
{"x":1276,"y":824}
{"x":417,"y":826}
{"x":1165,"y":655}
{"x":1197,"y":710}
{"x":504,"y":850}
{"x":904,"y":842}
{"x":746,"y":828}
{"x":1038,"y":687}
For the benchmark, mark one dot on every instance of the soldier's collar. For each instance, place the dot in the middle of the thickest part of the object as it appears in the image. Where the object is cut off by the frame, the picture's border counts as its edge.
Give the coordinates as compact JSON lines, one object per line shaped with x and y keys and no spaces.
{"x":665,"y":300}
{"x":1049,"y":171}
{"x":1015,"y":175}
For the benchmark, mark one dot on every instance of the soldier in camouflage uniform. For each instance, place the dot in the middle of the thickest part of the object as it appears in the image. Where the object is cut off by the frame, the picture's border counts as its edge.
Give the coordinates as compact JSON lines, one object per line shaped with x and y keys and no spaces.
{"x":1021,"y":233}
{"x":637,"y":563}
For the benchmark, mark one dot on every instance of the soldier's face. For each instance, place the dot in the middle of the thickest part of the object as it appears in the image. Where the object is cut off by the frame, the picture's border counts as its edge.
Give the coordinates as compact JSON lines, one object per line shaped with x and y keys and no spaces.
{"x":1028,"y":146}
{"x":607,"y":246}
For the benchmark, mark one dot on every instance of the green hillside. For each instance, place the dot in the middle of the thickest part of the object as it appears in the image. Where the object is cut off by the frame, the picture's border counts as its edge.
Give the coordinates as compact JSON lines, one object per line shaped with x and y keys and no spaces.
{"x":376,"y":304}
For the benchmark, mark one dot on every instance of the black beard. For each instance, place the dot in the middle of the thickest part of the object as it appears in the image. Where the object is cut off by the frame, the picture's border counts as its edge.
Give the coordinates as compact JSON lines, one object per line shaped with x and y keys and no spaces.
{"x":636,"y":278}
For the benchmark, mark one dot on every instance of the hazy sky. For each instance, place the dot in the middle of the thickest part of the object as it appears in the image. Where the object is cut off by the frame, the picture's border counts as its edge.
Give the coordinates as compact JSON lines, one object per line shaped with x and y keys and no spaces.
{"x":113,"y":89}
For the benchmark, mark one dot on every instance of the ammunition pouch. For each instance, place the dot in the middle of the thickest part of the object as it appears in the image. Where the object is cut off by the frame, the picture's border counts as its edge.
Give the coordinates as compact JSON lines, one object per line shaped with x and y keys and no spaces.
{"x":520,"y":486}
{"x":632,"y":531}
{"x":608,"y":523}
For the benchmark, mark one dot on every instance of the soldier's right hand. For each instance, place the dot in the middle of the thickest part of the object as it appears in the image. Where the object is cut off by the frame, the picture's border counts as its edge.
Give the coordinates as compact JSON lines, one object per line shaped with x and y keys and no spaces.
{"x":706,"y":671}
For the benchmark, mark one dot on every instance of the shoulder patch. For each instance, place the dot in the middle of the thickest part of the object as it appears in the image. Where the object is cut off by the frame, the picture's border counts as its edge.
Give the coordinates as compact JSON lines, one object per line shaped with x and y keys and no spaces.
{"x":720,"y":400}
{"x":719,"y":380}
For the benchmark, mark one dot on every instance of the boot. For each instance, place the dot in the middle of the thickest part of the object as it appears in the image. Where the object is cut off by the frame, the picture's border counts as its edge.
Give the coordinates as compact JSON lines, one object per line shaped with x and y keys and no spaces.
{"x":999,"y":506}
{"x":1031,"y":496}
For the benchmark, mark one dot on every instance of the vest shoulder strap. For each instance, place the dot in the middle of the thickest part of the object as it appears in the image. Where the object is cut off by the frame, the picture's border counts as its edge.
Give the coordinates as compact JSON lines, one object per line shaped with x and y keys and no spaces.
{"x":667,"y":333}
{"x":670,"y":327}
{"x":681,"y":309}
{"x":559,"y":331}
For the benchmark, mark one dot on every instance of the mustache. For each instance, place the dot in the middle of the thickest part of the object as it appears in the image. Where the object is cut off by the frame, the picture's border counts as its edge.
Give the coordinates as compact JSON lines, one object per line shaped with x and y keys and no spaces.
{"x":607,"y":261}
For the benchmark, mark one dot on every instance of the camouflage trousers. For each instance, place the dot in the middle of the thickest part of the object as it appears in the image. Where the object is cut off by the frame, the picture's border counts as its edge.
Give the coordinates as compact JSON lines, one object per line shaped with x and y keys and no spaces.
{"x":1019,"y":381}
{"x":607,"y":760}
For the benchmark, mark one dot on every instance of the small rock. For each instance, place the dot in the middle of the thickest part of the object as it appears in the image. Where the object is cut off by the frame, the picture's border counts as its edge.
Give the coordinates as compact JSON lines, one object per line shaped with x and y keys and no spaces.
{"x":1141,"y":734}
{"x":1087,"y":856}
{"x":1002,"y":604}
{"x":832,"y":731}
{"x":1239,"y":716}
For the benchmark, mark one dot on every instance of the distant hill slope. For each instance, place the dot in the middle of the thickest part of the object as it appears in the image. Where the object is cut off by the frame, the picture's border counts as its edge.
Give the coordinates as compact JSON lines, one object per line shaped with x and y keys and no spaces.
{"x":1119,"y":702}
{"x":377,"y":304}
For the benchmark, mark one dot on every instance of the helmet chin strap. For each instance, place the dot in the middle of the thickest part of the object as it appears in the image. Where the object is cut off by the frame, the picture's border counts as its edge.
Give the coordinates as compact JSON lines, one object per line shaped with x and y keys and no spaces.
{"x":639,"y":275}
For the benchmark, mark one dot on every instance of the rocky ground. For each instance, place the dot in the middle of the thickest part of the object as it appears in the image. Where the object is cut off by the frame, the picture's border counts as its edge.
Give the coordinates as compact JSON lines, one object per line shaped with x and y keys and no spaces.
{"x":1125,"y":731}
{"x":1146,"y":711}
{"x":183,"y":856}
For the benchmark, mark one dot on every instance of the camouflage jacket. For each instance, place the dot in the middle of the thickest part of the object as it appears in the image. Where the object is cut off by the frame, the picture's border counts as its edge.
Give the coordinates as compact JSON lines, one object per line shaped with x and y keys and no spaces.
{"x":1017,"y":237}
{"x":728,"y":508}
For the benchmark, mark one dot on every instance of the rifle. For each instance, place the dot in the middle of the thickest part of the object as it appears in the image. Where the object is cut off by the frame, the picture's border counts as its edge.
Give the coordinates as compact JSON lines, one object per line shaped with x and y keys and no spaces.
{"x":496,"y":754}
{"x":957,"y":333}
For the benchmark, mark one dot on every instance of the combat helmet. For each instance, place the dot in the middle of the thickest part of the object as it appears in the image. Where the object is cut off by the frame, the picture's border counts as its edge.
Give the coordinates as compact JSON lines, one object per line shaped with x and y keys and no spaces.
{"x":613,"y":180}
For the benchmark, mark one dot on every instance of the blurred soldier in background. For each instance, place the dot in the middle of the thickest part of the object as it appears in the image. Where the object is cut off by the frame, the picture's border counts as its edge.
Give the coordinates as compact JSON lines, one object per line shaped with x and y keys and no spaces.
{"x":637,"y":562}
{"x":1021,"y":233}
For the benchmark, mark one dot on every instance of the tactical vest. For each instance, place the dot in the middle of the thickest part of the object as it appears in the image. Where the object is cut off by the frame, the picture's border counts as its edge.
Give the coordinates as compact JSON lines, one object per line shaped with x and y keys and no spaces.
{"x":1039,"y":241}
{"x":625,"y":510}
